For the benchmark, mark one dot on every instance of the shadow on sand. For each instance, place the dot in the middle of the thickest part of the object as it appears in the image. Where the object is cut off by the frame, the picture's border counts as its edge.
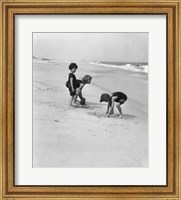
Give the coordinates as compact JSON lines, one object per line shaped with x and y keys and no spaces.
{"x":126,"y":116}
{"x":93,"y":105}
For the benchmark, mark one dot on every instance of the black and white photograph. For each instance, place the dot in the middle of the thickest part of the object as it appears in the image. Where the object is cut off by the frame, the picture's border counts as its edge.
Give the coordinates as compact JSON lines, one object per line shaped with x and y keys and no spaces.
{"x":90,"y":99}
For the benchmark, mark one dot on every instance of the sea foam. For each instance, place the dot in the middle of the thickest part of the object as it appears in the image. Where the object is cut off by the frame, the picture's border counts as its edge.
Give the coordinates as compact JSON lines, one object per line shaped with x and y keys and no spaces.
{"x":130,"y":67}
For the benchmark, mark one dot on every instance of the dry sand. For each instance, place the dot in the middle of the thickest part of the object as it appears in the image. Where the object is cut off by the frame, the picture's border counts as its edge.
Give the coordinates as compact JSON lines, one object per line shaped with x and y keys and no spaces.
{"x":85,"y":137}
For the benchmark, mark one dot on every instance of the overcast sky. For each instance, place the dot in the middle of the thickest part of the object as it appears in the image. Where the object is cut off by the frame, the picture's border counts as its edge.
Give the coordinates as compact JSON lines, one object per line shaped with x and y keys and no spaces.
{"x":117,"y":47}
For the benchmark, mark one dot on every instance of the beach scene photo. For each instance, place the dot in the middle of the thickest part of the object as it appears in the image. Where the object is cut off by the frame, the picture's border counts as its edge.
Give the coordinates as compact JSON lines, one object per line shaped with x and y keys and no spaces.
{"x":90,"y":100}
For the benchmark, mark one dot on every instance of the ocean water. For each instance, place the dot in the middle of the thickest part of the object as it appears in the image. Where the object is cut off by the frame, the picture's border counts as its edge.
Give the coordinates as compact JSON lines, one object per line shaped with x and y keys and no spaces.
{"x":134,"y":67}
{"x":131,"y":66}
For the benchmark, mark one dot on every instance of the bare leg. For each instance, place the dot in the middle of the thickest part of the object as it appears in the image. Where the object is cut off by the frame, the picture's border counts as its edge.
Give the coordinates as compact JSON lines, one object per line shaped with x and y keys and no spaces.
{"x":111,"y":111}
{"x":80,"y":95}
{"x":75,"y":97}
{"x":119,"y":109}
{"x":74,"y":101}
{"x":111,"y":108}
{"x":71,"y":100}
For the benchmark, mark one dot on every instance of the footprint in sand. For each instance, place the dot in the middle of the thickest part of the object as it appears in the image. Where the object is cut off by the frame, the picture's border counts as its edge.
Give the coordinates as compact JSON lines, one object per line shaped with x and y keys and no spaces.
{"x":115,"y":116}
{"x":84,"y":106}
{"x":92,"y":113}
{"x":97,"y":114}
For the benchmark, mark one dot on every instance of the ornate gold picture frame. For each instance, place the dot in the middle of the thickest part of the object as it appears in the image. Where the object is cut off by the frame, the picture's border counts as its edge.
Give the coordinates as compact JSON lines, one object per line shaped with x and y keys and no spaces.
{"x":10,"y":8}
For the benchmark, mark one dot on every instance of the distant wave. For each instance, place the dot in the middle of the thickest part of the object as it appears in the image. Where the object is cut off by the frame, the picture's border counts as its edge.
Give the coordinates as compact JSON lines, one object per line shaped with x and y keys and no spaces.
{"x":135,"y":67}
{"x":49,"y":61}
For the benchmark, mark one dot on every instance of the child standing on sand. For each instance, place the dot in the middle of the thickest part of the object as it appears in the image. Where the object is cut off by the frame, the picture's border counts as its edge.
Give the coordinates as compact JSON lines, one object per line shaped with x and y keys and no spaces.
{"x":72,"y":83}
{"x":117,"y":97}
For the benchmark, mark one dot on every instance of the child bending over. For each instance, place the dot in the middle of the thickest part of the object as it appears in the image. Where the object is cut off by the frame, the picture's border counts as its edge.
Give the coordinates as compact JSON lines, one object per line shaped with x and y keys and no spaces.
{"x":80,"y":84}
{"x":117,"y":98}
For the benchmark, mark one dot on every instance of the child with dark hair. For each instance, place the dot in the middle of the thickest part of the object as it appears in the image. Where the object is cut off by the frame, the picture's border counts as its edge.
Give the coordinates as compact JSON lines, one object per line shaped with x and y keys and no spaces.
{"x":117,"y":97}
{"x":75,"y":86}
{"x":72,"y":83}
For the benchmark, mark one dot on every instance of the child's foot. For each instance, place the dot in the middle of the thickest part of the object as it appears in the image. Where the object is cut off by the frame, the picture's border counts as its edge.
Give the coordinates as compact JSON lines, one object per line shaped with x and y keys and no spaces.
{"x":77,"y":102}
{"x":75,"y":105}
{"x":71,"y":106}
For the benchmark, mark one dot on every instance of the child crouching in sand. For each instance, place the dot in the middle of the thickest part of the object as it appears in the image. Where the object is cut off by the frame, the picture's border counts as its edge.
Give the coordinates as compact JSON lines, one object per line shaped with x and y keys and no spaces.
{"x":117,"y":97}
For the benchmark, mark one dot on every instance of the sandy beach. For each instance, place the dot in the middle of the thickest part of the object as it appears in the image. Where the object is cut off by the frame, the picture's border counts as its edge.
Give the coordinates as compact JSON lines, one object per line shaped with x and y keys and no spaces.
{"x":85,"y":137}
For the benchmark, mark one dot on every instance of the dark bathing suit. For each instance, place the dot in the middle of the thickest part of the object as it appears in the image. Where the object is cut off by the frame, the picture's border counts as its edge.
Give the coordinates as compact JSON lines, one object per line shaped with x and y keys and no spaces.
{"x":71,"y":75}
{"x":121,"y":97}
{"x":78,"y":82}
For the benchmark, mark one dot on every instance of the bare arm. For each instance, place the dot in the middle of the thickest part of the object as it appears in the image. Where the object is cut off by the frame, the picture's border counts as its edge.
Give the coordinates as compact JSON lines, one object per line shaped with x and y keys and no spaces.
{"x":107,"y":108}
{"x":71,"y":84}
{"x":79,"y":90}
{"x":80,"y":95}
{"x":111,"y":110}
